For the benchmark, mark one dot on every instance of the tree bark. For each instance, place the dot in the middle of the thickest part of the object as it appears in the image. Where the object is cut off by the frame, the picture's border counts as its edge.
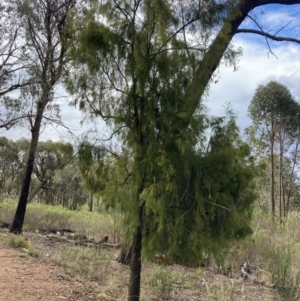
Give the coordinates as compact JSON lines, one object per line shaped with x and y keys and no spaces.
{"x":272,"y":135}
{"x":292,"y":175}
{"x":91,"y":201}
{"x":135,"y":267}
{"x":18,"y":221}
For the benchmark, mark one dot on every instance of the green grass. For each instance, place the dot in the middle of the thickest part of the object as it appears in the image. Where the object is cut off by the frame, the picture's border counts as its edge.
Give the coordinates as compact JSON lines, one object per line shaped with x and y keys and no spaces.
{"x":273,"y":248}
{"x":42,"y":217}
{"x":19,"y":242}
{"x":163,"y":282}
{"x":83,"y":263}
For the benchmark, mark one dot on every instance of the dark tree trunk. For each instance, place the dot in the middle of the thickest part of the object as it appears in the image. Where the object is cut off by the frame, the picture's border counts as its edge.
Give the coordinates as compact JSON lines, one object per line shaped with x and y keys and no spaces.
{"x":91,"y":201}
{"x":272,"y":173}
{"x":289,"y":192}
{"x":18,"y":221}
{"x":135,"y":267}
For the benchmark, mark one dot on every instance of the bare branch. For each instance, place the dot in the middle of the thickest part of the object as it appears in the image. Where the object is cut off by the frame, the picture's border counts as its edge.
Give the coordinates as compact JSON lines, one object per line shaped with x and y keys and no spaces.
{"x":12,"y":122}
{"x":267,"y":35}
{"x":113,"y":133}
{"x":13,"y":87}
{"x":261,"y":29}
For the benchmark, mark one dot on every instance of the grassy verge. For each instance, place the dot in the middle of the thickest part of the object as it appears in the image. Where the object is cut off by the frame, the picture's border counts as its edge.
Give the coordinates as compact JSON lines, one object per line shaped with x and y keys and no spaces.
{"x":19,"y":242}
{"x":273,"y":252}
{"x":92,"y":224}
{"x":84,"y":263}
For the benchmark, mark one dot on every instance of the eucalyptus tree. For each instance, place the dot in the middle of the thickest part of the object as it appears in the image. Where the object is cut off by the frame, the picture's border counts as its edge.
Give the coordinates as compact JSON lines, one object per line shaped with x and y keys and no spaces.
{"x":274,"y":111}
{"x":10,"y":164}
{"x":45,"y":30}
{"x":288,"y":143}
{"x":292,"y":160}
{"x":139,"y":68}
{"x":50,"y":157}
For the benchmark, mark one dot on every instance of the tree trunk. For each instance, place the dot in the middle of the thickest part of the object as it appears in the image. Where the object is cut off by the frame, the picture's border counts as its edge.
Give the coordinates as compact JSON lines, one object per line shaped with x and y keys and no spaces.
{"x":18,"y":221}
{"x":291,"y":177}
{"x":280,"y":179}
{"x":135,"y":267}
{"x":91,"y":202}
{"x":136,"y":248}
{"x":272,"y":174}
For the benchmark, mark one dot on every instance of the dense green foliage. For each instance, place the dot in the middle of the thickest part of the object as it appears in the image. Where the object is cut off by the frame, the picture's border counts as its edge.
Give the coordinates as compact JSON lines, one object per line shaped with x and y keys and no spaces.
{"x":143,"y":67}
{"x":56,"y":177}
{"x":188,"y":194}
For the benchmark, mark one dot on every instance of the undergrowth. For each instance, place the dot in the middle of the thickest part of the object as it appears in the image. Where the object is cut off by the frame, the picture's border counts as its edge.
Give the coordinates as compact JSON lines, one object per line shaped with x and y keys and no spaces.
{"x":83,"y":263}
{"x":162,"y":282}
{"x":272,"y":252}
{"x":44,"y":217}
{"x":19,"y":242}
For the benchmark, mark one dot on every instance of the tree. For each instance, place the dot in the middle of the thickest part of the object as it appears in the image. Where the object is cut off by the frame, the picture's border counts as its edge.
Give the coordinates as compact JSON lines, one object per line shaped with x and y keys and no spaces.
{"x":273,"y":111}
{"x":50,"y":157}
{"x":10,"y":164}
{"x":45,"y":29}
{"x":139,"y":70}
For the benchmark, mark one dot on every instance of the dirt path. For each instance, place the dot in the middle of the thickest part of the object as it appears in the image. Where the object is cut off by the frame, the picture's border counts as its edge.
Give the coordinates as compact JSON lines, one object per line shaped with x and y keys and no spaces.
{"x":26,"y":279}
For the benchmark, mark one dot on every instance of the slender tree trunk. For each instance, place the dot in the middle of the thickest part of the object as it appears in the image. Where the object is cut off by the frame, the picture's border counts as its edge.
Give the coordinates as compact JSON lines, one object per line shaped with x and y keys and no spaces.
{"x":91,"y":201}
{"x":272,"y":174}
{"x":135,"y":267}
{"x":283,"y":199}
{"x":291,"y":177}
{"x":18,"y":221}
{"x":280,"y":175}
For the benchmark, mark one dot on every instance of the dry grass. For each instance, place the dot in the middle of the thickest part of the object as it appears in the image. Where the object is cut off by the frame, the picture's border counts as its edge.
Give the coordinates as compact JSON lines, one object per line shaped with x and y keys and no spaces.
{"x":272,"y":251}
{"x":19,"y":242}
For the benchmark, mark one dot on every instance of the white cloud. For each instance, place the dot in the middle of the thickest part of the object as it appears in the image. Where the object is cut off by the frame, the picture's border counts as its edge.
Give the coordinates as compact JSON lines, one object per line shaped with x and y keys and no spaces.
{"x":278,"y":18}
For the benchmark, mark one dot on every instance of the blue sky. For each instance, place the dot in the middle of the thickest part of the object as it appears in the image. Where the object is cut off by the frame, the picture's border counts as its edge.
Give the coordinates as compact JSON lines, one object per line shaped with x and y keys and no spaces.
{"x":257,"y":66}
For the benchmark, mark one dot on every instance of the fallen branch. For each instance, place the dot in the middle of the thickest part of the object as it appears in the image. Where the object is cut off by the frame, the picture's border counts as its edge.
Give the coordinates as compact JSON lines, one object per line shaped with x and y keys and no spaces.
{"x":114,"y":246}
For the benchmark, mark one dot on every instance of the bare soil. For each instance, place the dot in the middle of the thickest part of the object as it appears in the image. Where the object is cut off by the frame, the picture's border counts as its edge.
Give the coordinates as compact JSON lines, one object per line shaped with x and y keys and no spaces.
{"x":26,"y":278}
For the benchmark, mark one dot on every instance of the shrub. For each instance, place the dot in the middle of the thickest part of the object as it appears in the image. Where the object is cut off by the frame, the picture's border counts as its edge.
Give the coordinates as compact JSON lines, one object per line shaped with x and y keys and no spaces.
{"x":287,"y":281}
{"x":162,"y":282}
{"x":83,"y":263}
